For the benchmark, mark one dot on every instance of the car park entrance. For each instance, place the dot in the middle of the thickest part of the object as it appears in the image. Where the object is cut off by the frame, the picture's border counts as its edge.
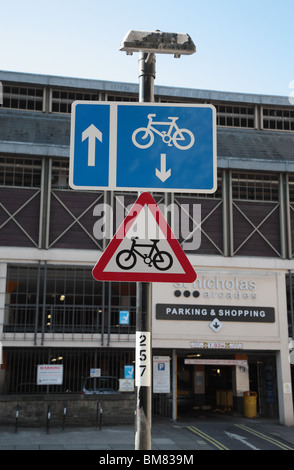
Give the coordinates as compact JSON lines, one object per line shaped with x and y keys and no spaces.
{"x":215,"y":384}
{"x":227,"y":314}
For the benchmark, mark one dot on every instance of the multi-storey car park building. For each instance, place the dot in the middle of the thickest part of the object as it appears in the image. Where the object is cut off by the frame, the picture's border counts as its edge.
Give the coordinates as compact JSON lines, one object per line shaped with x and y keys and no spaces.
{"x":240,"y":307}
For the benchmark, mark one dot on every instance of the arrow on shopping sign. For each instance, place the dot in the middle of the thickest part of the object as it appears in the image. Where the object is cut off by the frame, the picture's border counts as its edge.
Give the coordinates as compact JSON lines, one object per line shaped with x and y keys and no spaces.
{"x":163,"y":175}
{"x":91,"y":133}
{"x":215,"y":325}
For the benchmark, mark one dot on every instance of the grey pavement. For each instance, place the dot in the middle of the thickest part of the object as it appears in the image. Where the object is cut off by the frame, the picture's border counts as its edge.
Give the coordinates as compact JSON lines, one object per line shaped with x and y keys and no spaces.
{"x":166,"y":435}
{"x":87,"y":438}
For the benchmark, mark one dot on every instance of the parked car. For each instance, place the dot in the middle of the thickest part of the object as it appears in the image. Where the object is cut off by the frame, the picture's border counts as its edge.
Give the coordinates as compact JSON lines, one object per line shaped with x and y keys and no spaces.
{"x":100,"y":385}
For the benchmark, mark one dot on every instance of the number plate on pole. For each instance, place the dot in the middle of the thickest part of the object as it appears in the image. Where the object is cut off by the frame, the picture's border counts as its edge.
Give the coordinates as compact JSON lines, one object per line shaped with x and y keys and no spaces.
{"x":143,"y":351}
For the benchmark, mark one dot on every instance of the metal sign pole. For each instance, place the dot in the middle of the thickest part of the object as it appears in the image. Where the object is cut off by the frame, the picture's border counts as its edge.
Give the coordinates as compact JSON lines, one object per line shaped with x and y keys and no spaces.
{"x":143,"y":368}
{"x":143,"y":320}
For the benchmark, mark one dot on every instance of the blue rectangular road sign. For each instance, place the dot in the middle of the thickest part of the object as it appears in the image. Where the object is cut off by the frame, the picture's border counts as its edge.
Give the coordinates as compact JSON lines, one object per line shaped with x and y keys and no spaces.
{"x":143,"y":147}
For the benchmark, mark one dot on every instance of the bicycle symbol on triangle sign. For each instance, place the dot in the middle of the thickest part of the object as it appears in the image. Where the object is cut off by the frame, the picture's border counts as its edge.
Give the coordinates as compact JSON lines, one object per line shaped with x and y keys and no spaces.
{"x":161,"y":260}
{"x":143,"y":137}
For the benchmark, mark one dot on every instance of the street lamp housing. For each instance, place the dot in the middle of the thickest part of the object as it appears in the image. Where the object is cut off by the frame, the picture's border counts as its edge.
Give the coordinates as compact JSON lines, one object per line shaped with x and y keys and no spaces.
{"x":157,"y":42}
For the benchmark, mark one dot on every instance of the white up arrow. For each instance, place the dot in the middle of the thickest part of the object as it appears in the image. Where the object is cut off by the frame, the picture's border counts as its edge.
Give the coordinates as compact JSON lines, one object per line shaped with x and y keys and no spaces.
{"x":163,"y":175}
{"x":91,"y":133}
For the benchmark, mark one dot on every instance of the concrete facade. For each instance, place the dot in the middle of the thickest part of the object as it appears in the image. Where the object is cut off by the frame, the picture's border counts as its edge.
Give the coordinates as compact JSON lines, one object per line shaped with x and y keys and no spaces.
{"x":244,"y":262}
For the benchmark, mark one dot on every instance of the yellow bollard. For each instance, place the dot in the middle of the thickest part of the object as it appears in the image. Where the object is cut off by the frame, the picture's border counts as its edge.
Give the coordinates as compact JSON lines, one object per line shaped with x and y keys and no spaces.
{"x":250,"y":404}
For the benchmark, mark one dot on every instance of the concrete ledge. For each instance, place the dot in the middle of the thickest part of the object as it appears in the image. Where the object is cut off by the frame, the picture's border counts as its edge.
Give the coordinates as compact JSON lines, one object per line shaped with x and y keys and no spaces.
{"x":81,"y":410}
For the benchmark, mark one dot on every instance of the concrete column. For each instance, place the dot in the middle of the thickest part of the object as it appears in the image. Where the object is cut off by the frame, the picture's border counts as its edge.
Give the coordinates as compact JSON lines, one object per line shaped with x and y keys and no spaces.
{"x":284,"y":388}
{"x":285,"y":394}
{"x":174,"y":386}
{"x":3,"y":270}
{"x":3,"y":273}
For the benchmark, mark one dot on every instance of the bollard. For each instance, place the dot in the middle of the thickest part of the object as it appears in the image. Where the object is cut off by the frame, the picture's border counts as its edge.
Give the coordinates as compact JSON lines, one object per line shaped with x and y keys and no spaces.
{"x":48,"y":418}
{"x":64,"y":415}
{"x":99,"y":414}
{"x":16,"y":417}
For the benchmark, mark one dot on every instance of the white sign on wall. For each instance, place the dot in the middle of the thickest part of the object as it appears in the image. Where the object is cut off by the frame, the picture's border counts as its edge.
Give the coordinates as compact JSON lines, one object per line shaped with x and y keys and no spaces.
{"x":217,"y":362}
{"x":215,"y":345}
{"x":161,"y":374}
{"x":242,"y":379}
{"x":48,"y":374}
{"x":95,"y":372}
{"x":126,"y":385}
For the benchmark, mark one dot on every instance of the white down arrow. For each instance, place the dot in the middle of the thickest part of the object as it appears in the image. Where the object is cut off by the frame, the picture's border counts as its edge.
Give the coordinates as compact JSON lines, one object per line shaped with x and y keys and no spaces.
{"x":163,"y":175}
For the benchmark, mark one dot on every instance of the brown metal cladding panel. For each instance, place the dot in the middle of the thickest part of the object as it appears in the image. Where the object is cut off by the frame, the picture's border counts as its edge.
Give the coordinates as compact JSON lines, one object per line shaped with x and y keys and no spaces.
{"x":292,"y":225}
{"x":61,"y":218}
{"x":121,"y":203}
{"x":12,"y":199}
{"x":256,"y":212}
{"x":211,"y":225}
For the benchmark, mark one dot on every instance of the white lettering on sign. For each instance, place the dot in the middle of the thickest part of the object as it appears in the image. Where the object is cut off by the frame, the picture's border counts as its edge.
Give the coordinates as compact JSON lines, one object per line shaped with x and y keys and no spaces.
{"x":143,"y":359}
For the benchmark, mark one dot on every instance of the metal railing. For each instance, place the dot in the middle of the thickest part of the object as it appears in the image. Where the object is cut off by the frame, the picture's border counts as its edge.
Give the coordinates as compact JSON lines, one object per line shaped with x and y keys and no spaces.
{"x":67,"y":319}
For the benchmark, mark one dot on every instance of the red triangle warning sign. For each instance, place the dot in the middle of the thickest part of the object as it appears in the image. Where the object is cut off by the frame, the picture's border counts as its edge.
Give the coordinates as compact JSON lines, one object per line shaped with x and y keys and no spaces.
{"x":144,"y":249}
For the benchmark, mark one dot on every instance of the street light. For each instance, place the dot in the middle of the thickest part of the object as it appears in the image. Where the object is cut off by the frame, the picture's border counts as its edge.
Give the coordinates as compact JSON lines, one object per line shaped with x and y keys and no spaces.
{"x":149,"y":43}
{"x":157,"y":42}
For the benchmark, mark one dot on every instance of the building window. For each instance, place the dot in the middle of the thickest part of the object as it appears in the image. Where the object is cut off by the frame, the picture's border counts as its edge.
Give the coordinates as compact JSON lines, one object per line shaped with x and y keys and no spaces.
{"x":255,"y":186}
{"x":122,"y":98}
{"x":60,"y":171}
{"x":216,"y":195}
{"x":66,"y":299}
{"x":63,"y":99}
{"x":20,"y":172}
{"x":22,"y":363}
{"x":22,"y":97}
{"x":291,"y":187}
{"x":235,"y":116}
{"x":278,"y":119}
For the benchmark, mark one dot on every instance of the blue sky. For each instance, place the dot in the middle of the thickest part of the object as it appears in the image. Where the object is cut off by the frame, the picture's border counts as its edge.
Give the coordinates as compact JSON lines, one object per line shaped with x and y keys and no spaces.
{"x":242,"y":46}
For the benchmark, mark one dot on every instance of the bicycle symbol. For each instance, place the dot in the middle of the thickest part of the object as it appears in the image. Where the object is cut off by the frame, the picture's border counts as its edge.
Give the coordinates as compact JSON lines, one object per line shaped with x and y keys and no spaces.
{"x":143,"y":137}
{"x":161,"y":260}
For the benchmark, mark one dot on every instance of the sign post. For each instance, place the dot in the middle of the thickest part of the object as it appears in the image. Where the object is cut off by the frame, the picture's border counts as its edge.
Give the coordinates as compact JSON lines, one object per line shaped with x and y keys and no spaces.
{"x":144,"y":146}
{"x":143,"y":319}
{"x":147,"y":259}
